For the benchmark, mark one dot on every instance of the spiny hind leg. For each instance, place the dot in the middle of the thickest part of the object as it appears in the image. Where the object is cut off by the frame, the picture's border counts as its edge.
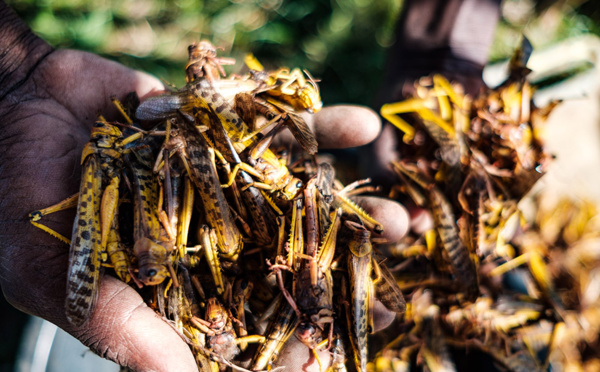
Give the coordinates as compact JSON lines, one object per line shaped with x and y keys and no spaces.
{"x":35,"y":216}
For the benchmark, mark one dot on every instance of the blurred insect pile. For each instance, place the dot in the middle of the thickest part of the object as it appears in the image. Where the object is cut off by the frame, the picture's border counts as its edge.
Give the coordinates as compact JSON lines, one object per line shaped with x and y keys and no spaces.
{"x":483,"y":282}
{"x":232,"y":240}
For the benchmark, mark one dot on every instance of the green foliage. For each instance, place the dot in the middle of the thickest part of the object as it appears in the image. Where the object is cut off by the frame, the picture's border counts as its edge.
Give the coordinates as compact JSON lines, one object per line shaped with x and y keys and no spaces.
{"x":340,"y":42}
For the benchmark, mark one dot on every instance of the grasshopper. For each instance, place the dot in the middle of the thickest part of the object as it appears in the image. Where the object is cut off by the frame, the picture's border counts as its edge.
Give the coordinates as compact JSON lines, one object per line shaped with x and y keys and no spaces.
{"x":221,"y":338}
{"x":361,"y":293}
{"x":363,"y":289}
{"x":312,"y":289}
{"x":271,"y":94}
{"x":214,"y":115}
{"x":293,"y":88}
{"x":444,"y":133}
{"x":97,"y":203}
{"x":152,"y":246}
{"x":181,"y":307}
{"x":332,"y":194}
{"x":338,"y":357}
{"x":221,"y":231}
{"x":203,"y":62}
{"x":280,"y":328}
{"x":428,"y":334}
{"x":220,"y":94}
{"x":118,"y":253}
{"x":445,"y":224}
{"x":200,"y":92}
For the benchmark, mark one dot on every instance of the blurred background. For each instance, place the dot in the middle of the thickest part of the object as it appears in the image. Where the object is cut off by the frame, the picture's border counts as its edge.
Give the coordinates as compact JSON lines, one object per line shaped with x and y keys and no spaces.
{"x":343,"y":43}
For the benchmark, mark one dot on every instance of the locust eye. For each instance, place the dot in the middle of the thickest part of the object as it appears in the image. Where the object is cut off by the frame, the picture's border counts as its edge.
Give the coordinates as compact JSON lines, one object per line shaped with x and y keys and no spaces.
{"x":299,"y":184}
{"x":150,"y":273}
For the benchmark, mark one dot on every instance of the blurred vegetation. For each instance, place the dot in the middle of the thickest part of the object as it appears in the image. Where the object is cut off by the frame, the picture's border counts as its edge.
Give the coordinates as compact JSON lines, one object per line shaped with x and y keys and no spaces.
{"x":341,"y":42}
{"x":544,"y":22}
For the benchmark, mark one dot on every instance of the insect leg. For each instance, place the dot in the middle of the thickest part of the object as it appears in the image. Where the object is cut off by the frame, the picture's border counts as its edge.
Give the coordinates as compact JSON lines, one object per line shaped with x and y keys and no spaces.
{"x":36,"y":216}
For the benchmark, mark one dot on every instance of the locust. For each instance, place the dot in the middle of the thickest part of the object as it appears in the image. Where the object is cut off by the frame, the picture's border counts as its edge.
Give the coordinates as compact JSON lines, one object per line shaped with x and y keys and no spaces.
{"x":277,"y":96}
{"x":199,"y":92}
{"x":221,"y":338}
{"x":290,"y":86}
{"x":97,"y":202}
{"x":210,"y":161}
{"x":181,"y":306}
{"x":312,"y":286}
{"x":203,"y":62}
{"x":361,"y":267}
{"x":361,"y":293}
{"x":433,"y":348}
{"x":279,"y":330}
{"x":445,"y":224}
{"x":338,"y":357}
{"x":219,"y":94}
{"x":152,"y":246}
{"x":221,"y":231}
{"x":205,"y":110}
{"x":118,"y":253}
{"x":261,"y":211}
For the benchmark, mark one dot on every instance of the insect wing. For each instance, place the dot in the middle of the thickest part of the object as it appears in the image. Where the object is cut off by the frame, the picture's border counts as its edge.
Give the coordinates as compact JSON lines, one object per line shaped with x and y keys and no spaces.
{"x":84,"y":258}
{"x":244,"y":106}
{"x":302,"y":133}
{"x":360,"y":293}
{"x":449,"y":146}
{"x":160,"y":107}
{"x":280,"y":328}
{"x":388,"y":292}
{"x":203,"y":175}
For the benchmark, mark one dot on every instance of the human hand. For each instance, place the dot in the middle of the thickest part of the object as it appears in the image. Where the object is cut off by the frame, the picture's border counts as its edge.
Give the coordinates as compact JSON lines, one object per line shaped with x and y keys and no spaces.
{"x":47,"y":120}
{"x":47,"y":123}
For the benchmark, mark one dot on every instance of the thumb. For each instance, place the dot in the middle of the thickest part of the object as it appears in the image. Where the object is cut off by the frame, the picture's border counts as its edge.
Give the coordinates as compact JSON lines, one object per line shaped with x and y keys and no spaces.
{"x":124,"y":329}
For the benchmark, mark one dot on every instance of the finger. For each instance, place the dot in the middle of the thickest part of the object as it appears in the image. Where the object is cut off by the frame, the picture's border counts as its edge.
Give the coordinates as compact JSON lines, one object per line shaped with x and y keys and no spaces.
{"x":382,"y":317}
{"x":421,"y":220}
{"x":344,"y":126}
{"x":392,"y":215}
{"x":123,"y":329}
{"x":339,"y":126}
{"x":295,"y":356}
{"x":377,"y":157}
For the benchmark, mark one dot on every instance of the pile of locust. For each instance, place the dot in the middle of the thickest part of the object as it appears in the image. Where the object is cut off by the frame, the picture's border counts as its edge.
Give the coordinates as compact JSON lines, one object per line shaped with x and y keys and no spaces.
{"x":228,"y":240}
{"x":484,"y":285}
{"x":235,"y":241}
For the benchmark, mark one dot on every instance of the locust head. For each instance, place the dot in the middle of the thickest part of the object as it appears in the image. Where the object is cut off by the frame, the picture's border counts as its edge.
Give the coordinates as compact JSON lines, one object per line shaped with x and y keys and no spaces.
{"x":105,"y":135}
{"x":309,"y":95}
{"x":291,"y":188}
{"x":153,"y":274}
{"x":309,"y":334}
{"x":216,"y":315}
